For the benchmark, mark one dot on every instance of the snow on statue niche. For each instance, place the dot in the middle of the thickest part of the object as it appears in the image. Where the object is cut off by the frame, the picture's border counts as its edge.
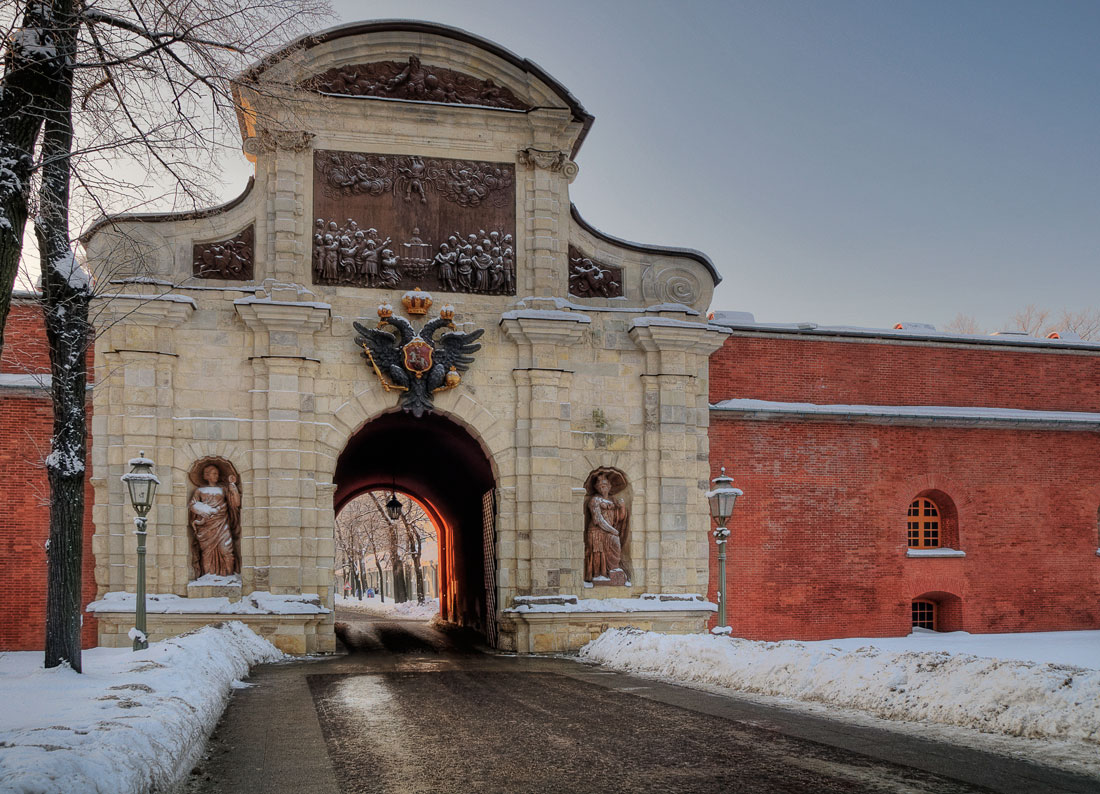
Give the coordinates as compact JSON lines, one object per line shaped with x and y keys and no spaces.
{"x":214,"y":516}
{"x":607,"y":529}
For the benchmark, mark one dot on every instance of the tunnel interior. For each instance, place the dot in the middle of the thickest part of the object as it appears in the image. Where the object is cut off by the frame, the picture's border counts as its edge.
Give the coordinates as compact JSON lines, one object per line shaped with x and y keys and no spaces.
{"x":439,"y":463}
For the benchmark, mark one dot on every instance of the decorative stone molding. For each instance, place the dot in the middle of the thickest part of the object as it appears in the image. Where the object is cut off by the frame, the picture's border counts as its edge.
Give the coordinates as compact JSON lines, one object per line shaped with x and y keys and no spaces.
{"x":551,"y":161}
{"x":268,"y":141}
{"x":670,"y":284}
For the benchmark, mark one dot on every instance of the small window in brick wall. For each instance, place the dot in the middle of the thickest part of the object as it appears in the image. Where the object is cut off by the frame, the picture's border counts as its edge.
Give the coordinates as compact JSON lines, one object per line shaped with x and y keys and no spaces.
{"x":924,"y":525}
{"x":924,"y":615}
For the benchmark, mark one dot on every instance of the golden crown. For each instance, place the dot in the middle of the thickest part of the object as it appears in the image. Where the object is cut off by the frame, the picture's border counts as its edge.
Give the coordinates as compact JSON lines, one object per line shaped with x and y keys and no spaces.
{"x":416,"y":302}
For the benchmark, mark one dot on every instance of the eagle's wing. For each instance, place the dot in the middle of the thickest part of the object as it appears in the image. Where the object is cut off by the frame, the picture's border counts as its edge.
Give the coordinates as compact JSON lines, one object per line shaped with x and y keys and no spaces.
{"x":429,"y":329}
{"x":384,"y":351}
{"x":456,"y":349}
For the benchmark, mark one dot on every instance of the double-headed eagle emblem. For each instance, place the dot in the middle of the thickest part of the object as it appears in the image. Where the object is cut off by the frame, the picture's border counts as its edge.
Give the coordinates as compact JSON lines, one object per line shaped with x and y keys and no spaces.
{"x":417,"y":365}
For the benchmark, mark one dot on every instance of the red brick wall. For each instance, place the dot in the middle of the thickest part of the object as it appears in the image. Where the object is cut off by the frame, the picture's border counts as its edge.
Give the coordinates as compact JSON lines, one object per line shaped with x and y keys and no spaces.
{"x":818,"y":545}
{"x":26,"y":424}
{"x":797,"y":369}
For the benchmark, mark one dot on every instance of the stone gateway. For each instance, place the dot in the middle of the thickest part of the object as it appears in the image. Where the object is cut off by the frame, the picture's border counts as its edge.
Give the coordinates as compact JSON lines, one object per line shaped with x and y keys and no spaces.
{"x":553,"y":417}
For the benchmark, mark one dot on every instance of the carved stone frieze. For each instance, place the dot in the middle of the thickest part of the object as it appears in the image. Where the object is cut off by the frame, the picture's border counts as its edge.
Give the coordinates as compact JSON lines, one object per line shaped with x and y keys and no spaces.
{"x":266,"y":141}
{"x":591,"y":279}
{"x":551,"y":161}
{"x":228,"y":259}
{"x":413,"y":80}
{"x":670,"y":284}
{"x":467,"y":183}
{"x":401,"y":221}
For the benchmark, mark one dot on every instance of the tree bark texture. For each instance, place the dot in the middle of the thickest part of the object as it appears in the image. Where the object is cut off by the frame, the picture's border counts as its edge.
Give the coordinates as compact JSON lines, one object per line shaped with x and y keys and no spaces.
{"x":32,"y":81}
{"x":66,"y":295}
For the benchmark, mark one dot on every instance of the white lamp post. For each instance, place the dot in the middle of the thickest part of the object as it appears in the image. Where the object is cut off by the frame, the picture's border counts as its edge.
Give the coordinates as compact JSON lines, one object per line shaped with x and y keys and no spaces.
{"x":722,"y":499}
{"x":142,"y":484}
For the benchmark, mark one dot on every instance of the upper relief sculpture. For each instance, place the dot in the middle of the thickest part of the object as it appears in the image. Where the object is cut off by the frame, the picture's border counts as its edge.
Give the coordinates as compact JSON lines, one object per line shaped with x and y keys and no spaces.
{"x":590,"y":279}
{"x":414,"y":80}
{"x":403,"y":221}
{"x":214,"y":516}
{"x":229,"y":259}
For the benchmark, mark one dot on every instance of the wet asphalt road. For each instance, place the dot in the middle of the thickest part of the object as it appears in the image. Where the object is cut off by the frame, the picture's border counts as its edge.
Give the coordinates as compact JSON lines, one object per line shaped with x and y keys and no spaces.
{"x":414,"y":709}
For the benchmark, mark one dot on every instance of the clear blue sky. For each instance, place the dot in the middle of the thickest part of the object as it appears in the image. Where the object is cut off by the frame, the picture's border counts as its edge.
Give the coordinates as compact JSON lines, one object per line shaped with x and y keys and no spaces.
{"x":842,"y":162}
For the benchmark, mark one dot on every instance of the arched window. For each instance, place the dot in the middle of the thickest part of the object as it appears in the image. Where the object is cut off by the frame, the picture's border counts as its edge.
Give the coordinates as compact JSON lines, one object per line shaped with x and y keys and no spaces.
{"x":924,"y":615}
{"x":924,"y":525}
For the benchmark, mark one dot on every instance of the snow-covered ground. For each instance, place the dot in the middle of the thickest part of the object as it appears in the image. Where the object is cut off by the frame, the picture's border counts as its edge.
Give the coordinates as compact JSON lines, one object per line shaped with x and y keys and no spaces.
{"x":132,"y":722}
{"x":388,"y":609}
{"x":1043,"y":687}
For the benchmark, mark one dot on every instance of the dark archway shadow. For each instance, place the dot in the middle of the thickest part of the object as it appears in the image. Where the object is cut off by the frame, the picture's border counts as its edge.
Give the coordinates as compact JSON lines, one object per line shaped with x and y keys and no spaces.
{"x":445,"y":468}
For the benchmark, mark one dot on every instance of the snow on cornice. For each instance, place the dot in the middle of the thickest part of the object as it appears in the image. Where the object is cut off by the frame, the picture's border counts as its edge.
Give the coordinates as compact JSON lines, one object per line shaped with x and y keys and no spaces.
{"x":911,"y":413}
{"x":913,"y":332}
{"x":258,"y":603}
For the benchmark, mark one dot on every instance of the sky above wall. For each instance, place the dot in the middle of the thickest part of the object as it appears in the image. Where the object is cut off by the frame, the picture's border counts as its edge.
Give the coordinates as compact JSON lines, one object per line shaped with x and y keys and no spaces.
{"x":845,"y":162}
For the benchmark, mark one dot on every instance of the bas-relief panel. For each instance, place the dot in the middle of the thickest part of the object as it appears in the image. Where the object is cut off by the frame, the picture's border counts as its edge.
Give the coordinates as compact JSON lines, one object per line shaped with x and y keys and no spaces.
{"x":403,"y":221}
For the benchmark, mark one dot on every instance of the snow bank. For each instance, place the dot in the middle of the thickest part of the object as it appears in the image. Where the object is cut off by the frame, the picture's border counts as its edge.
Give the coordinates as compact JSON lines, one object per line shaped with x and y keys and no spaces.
{"x":133,"y":722}
{"x":1013,"y":698}
{"x":259,"y":602}
{"x":388,"y":609}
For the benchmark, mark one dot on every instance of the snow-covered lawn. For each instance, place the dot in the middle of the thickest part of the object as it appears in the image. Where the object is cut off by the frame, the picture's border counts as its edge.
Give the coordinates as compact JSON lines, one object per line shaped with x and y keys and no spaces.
{"x":1044,"y":686}
{"x":376,"y":607}
{"x":132,"y":722}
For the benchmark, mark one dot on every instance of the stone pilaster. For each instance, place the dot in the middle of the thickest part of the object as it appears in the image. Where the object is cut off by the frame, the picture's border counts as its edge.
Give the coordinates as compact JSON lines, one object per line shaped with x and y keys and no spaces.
{"x":290,"y":167}
{"x":291,"y":546}
{"x":544,"y":479}
{"x":135,"y":368}
{"x":676,"y":451}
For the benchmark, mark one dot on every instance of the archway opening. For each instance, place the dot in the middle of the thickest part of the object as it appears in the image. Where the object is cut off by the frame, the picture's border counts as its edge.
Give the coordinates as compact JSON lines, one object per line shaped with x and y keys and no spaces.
{"x":938,"y":611}
{"x":387,"y":555}
{"x":441,"y":466}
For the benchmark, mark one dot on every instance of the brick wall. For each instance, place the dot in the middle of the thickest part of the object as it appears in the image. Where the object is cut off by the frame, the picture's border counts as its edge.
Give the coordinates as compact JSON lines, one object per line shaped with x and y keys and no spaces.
{"x":800,"y":369}
{"x":26,"y":424}
{"x":818,"y":547}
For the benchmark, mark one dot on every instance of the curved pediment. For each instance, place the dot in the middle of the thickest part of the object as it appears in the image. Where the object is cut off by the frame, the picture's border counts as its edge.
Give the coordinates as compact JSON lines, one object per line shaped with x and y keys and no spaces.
{"x":410,"y":60}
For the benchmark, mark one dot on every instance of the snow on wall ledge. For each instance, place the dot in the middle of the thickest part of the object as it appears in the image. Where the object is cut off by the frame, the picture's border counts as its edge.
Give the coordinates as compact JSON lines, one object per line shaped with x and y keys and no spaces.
{"x":133,"y":722}
{"x":998,"y":696}
{"x":260,"y":602}
{"x":647,"y":603}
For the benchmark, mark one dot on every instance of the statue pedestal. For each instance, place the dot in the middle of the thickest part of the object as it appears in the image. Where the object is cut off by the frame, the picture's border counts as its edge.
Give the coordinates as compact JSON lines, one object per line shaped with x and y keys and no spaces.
{"x":616,"y":578}
{"x":211,"y":586}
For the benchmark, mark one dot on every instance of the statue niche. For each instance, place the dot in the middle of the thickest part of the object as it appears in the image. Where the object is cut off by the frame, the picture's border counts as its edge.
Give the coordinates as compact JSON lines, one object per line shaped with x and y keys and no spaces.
{"x":214,"y":518}
{"x":606,"y":528}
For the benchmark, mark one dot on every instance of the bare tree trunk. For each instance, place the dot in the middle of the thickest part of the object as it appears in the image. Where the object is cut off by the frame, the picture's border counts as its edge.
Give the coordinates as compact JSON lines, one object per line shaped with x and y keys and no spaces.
{"x":66,"y":294}
{"x":415,"y":548}
{"x":381,"y":578}
{"x":31,"y":77}
{"x":400,"y":589}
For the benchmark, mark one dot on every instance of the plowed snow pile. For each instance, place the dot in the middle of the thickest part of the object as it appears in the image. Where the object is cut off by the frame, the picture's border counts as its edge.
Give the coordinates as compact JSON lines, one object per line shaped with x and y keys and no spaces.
{"x":132,"y":722}
{"x":1012,"y":698}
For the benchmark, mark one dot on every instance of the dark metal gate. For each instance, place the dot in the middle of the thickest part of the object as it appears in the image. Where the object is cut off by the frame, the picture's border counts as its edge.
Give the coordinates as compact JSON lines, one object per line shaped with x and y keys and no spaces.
{"x":489,"y":541}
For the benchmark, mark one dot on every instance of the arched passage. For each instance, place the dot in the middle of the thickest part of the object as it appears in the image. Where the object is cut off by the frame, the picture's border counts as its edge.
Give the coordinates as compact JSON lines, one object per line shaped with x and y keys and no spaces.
{"x":440,"y":464}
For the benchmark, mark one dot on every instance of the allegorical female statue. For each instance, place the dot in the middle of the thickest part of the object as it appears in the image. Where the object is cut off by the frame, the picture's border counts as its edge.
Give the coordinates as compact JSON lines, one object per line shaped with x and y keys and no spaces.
{"x":607,"y":522}
{"x":215,"y":518}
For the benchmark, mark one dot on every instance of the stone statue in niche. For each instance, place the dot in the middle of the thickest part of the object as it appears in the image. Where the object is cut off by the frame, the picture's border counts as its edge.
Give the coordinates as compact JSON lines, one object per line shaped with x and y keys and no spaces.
{"x":606,"y":529}
{"x":214,"y":516}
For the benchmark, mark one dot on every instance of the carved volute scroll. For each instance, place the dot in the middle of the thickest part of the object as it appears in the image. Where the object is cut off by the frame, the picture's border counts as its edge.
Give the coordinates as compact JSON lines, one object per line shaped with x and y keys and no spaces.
{"x":413,"y":80}
{"x":229,"y":259}
{"x":402,"y":221}
{"x":606,"y":528}
{"x":214,"y":518}
{"x":591,"y":279}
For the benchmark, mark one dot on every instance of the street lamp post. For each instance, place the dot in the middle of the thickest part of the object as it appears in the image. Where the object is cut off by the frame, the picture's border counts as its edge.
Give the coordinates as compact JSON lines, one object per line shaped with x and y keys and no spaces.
{"x":142,"y":485}
{"x":722,"y":499}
